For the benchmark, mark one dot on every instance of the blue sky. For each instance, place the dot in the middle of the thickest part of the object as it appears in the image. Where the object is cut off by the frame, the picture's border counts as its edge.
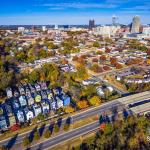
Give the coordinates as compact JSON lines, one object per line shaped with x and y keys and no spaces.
{"x":72,"y":11}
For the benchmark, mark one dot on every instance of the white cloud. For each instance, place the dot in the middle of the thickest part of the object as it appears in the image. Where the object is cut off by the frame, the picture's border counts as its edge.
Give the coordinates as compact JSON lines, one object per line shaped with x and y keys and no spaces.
{"x":79,"y":5}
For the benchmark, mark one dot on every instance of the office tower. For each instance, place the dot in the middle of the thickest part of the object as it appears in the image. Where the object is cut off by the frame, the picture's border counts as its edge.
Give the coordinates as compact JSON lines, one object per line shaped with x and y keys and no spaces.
{"x":44,"y":28}
{"x":135,"y":27}
{"x":114,"y":20}
{"x":21,"y":29}
{"x":91,"y":24}
{"x":33,"y":29}
{"x":56,"y":27}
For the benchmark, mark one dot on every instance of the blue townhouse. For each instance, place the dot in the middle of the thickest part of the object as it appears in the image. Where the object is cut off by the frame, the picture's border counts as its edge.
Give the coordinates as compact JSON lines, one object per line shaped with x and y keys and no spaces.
{"x":59,"y":102}
{"x":45,"y":105}
{"x":43,"y":94}
{"x":27,"y":90}
{"x":22,"y":101}
{"x":15,"y":104}
{"x":30,"y":99}
{"x":3,"y":123}
{"x":43,"y":85}
{"x":15,"y":92}
{"x":9,"y":92}
{"x":57,"y":91}
{"x":29,"y":115}
{"x":32,"y":88}
{"x":36,"y":109}
{"x":37,"y":87}
{"x":20,"y":116}
{"x":66,"y":99}
{"x":21,"y":90}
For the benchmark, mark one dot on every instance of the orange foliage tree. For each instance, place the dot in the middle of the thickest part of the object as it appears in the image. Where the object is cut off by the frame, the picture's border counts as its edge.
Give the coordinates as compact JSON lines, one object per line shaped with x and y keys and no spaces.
{"x":82,"y":104}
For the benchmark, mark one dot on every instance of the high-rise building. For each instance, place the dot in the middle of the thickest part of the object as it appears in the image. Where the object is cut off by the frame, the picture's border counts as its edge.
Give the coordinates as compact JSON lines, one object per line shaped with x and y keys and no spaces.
{"x":91,"y":24}
{"x":114,"y":20}
{"x":44,"y":28}
{"x":135,"y":27}
{"x":21,"y":29}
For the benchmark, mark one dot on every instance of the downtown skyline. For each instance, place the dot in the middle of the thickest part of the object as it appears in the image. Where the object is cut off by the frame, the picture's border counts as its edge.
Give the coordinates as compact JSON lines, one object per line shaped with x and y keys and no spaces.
{"x":71,"y":12}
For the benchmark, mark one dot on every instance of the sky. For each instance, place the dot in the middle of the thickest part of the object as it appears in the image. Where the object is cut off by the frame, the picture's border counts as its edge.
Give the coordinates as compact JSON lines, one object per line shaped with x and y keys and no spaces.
{"x":40,"y":12}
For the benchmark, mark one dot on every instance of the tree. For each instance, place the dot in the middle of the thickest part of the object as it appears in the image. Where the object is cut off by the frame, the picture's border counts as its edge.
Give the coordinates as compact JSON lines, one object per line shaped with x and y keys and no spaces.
{"x":34,"y":76}
{"x":99,"y":52}
{"x":89,"y":91}
{"x":36,"y":136}
{"x":47,"y":134}
{"x":107,"y":50}
{"x":96,"y":44}
{"x":75,"y":58}
{"x":3,"y":147}
{"x":94,"y":60}
{"x":66,"y":127}
{"x":56,"y":128}
{"x":103,"y":58}
{"x":69,"y":109}
{"x":94,"y":101}
{"x":106,"y":68}
{"x":81,"y":73}
{"x":40,"y":117}
{"x":82,"y":104}
{"x":113,"y":60}
{"x":118,"y":66}
{"x":96,"y":68}
{"x":26,"y":141}
{"x":64,"y":61}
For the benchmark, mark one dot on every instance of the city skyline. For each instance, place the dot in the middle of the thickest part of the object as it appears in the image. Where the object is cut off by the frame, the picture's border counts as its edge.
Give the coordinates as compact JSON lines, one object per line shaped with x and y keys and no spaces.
{"x":73,"y":12}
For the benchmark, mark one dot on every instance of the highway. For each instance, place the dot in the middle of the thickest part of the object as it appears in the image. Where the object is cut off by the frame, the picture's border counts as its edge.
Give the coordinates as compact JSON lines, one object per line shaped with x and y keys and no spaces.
{"x":64,"y":137}
{"x":104,"y":108}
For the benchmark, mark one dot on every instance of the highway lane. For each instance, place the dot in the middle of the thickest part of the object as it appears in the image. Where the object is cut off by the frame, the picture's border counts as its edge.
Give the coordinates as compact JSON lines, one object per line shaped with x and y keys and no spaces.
{"x":69,"y":135}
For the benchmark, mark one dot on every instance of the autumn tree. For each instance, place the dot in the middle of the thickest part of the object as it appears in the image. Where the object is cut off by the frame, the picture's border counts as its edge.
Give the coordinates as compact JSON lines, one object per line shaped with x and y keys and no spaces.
{"x":75,"y":58}
{"x":36,"y":136}
{"x":82,"y":104}
{"x":26,"y":141}
{"x":103,"y":58}
{"x":94,"y":60}
{"x":94,"y":101}
{"x":96,"y":68}
{"x":81,"y":72}
{"x":66,"y":127}
{"x":47,"y":134}
{"x":107,"y":50}
{"x":64,"y":61}
{"x":118,"y":66}
{"x":69,"y":109}
{"x":56,"y":128}
{"x":113,"y":60}
{"x":96,"y":44}
{"x":106,"y":68}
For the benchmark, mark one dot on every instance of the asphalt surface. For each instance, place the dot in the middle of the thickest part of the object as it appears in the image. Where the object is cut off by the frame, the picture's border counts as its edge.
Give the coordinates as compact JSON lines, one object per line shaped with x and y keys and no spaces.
{"x":69,"y":135}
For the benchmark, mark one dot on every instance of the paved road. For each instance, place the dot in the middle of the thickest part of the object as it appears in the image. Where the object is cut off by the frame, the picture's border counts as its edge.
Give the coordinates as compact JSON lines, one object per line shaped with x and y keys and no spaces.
{"x":107,"y":107}
{"x":69,"y":135}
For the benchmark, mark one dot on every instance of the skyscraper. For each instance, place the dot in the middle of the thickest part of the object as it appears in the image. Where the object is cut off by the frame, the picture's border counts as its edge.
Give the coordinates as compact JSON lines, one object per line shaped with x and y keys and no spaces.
{"x":135,"y":27}
{"x":114,"y":20}
{"x":91,"y":24}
